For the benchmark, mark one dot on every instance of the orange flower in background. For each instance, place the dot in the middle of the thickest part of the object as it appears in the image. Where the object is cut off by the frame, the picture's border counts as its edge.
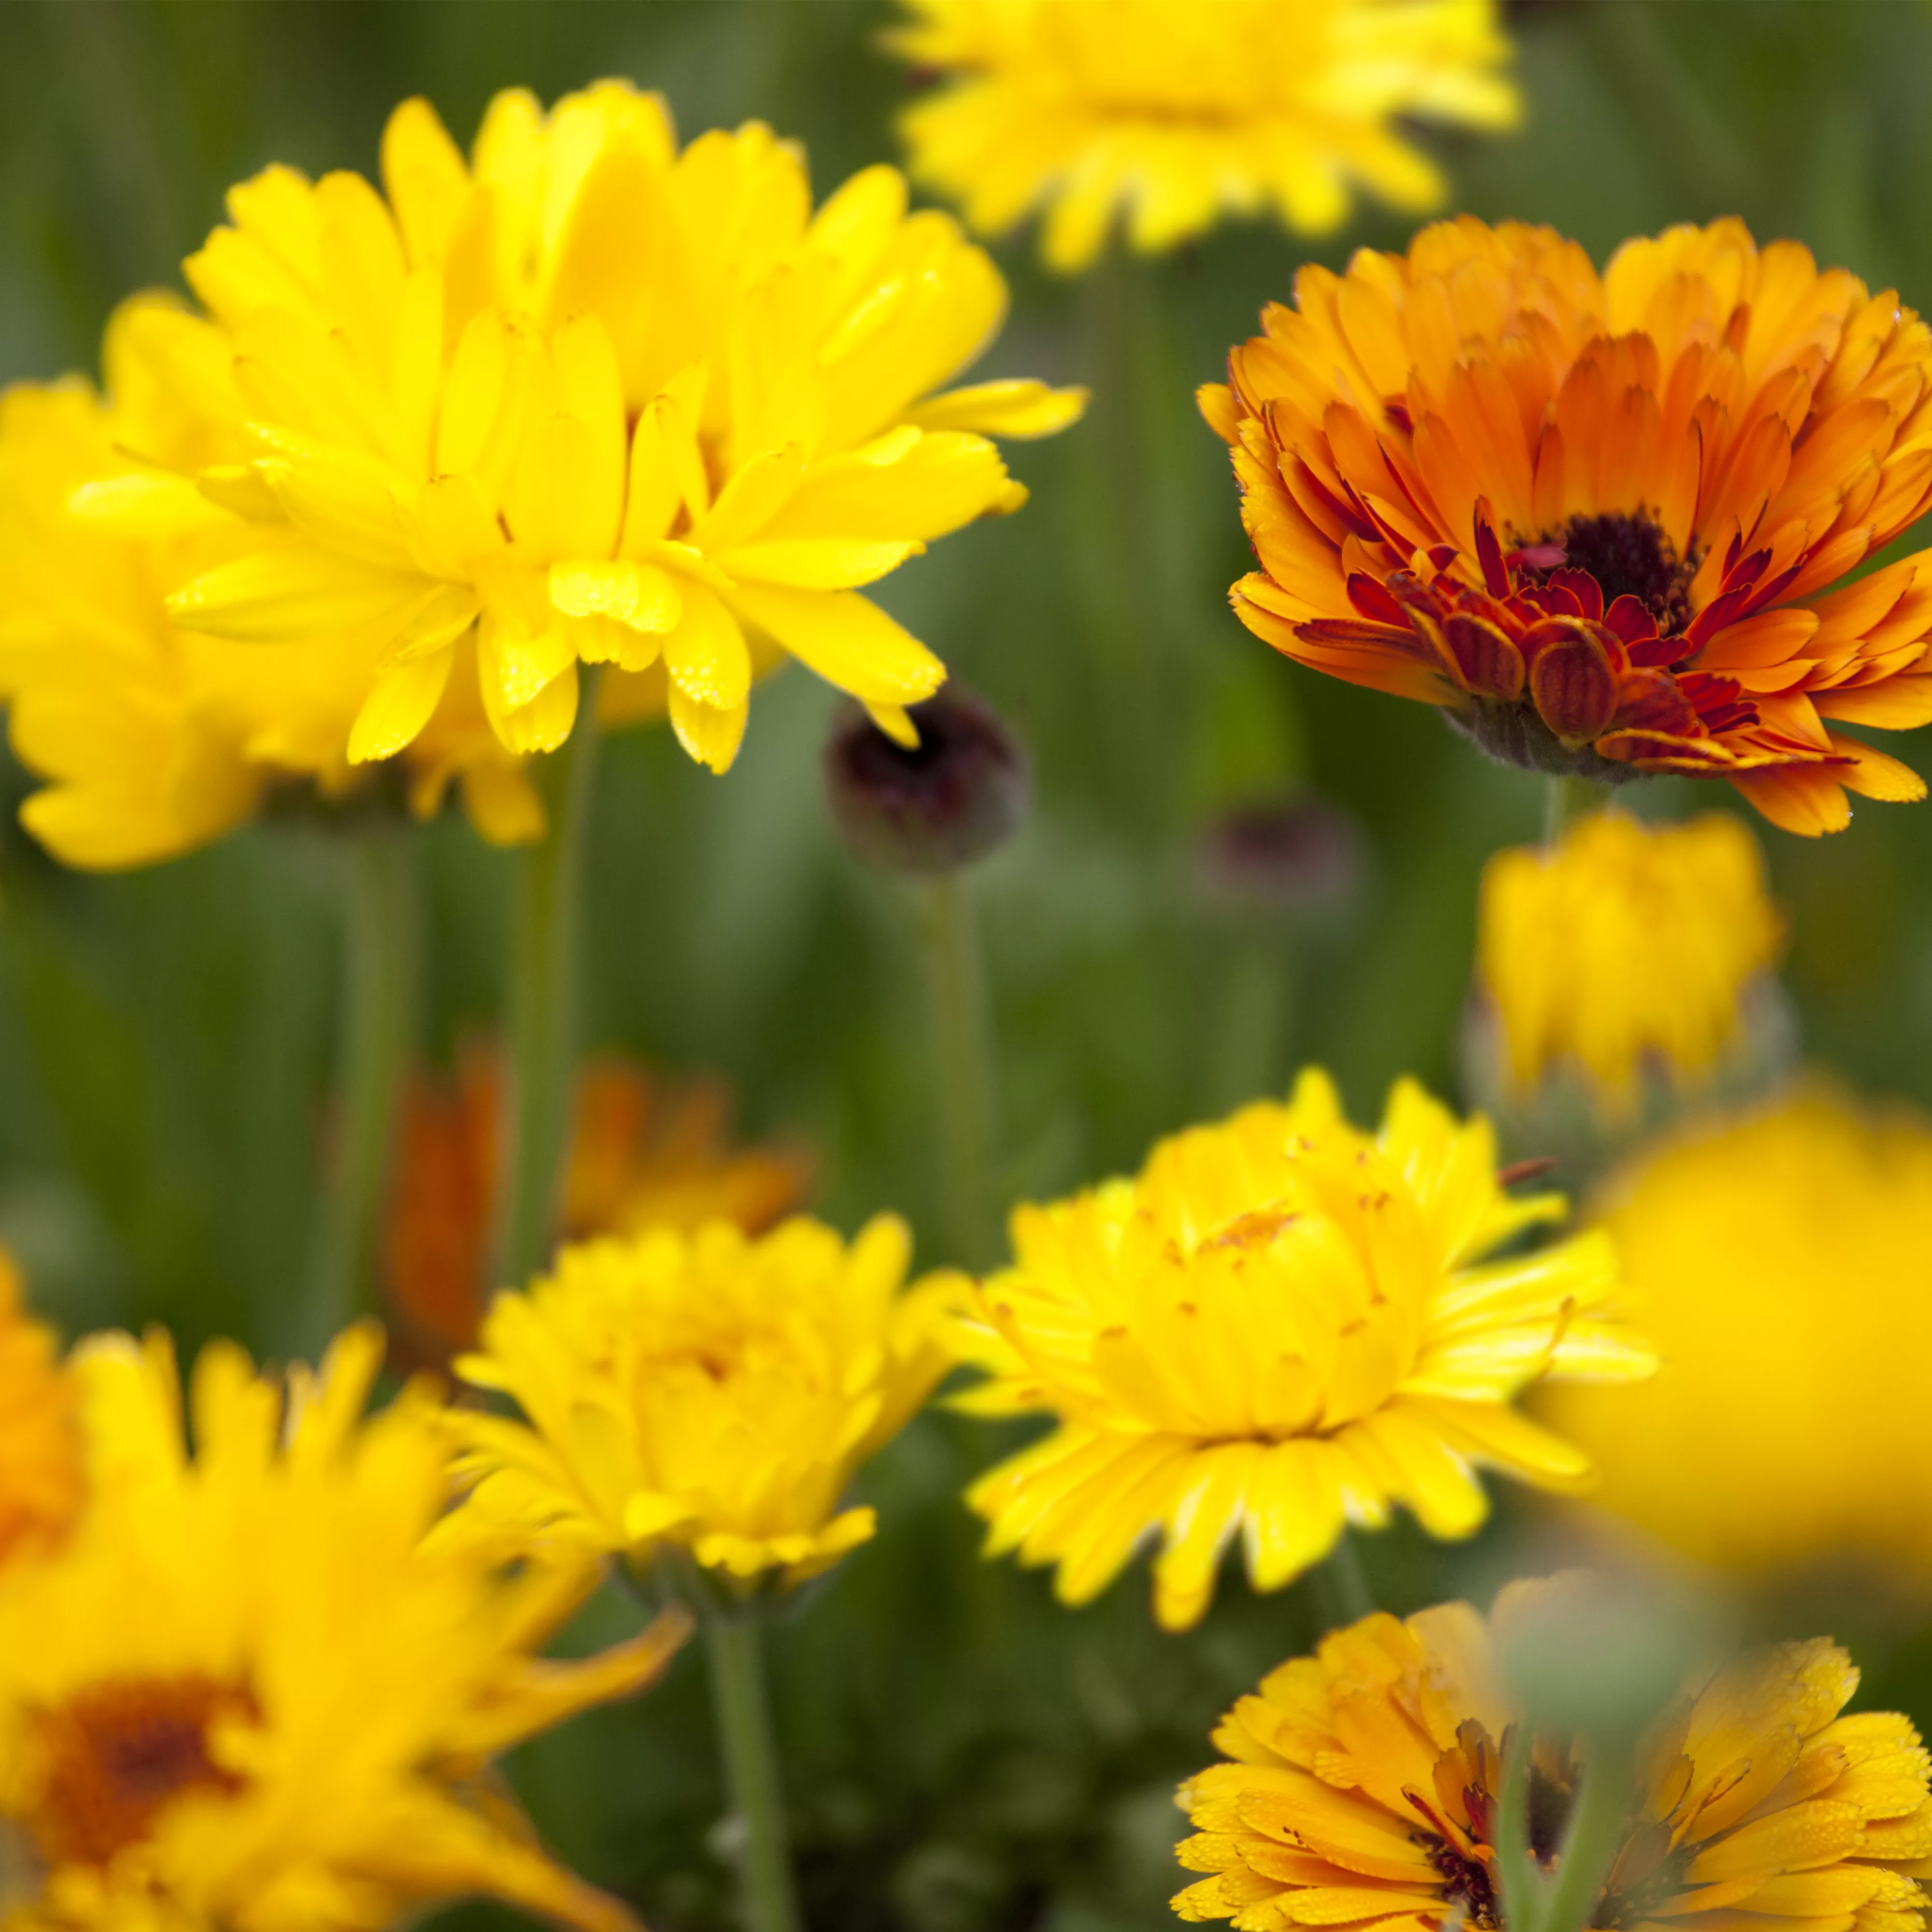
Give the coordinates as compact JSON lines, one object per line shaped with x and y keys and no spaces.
{"x":1598,"y":517}
{"x":647,"y":1151}
{"x":41,"y":1482}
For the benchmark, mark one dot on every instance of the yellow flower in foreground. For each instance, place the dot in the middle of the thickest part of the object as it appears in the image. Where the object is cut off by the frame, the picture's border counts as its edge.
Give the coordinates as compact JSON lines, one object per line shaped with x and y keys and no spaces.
{"x":245,"y":1697}
{"x":42,"y":1482}
{"x":590,"y":398}
{"x":1779,"y":1260}
{"x":1628,"y":946}
{"x":1280,"y":1326}
{"x":154,"y":739}
{"x":1368,"y":1779}
{"x":704,"y":1390}
{"x":1179,"y":112}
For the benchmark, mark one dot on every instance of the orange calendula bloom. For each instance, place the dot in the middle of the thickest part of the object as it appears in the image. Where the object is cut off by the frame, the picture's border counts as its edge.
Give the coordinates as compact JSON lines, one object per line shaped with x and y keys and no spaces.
{"x":647,"y":1151}
{"x":1367,"y":1781}
{"x":42,"y":1484}
{"x":1597,"y":518}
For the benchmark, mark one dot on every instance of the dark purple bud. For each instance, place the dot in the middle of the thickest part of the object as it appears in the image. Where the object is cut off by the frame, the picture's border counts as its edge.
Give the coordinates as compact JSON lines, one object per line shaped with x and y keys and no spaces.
{"x":1303,"y":857}
{"x":957,"y":794}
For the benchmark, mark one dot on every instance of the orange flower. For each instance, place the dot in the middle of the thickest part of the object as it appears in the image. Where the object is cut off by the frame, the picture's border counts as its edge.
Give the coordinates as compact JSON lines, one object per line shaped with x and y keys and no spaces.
{"x":42,"y":1484}
{"x":646,"y":1151}
{"x":1597,"y":518}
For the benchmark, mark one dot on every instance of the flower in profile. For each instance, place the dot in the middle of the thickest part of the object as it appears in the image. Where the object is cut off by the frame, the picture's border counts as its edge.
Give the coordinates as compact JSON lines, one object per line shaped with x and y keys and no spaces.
{"x":154,"y":739}
{"x":246,"y":1694}
{"x":1598,"y":518}
{"x":1627,"y":949}
{"x":1365,"y":1783}
{"x":43,"y":1483}
{"x":707,"y":1391}
{"x":1776,"y":1257}
{"x":590,"y":398}
{"x":1179,"y":113}
{"x":646,"y":1151}
{"x":1282,"y":1325}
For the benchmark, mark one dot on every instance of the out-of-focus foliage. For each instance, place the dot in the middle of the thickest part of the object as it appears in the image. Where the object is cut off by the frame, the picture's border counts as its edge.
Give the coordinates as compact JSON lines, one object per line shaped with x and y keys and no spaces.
{"x":964,"y":1753}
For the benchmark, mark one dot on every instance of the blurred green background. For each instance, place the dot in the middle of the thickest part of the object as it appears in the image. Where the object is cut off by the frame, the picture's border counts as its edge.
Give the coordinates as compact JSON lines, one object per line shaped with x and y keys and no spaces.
{"x":964,"y":1754}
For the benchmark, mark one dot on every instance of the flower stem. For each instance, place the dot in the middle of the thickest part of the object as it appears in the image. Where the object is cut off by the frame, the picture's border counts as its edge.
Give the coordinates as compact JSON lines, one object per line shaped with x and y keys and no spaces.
{"x":543,"y":998}
{"x":963,"y":1050}
{"x":378,"y":987}
{"x":1597,"y":1826}
{"x":733,"y":1640}
{"x":1341,"y":1592}
{"x":1564,"y":801}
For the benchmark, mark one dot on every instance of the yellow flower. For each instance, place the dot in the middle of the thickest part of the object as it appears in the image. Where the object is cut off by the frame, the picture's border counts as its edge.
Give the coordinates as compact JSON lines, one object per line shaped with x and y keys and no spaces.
{"x":589,"y":398}
{"x":1778,"y":1259}
{"x":1179,"y":112}
{"x":154,"y":739}
{"x":1367,"y":1779}
{"x":1628,"y":946}
{"x":246,"y":1697}
{"x":42,"y":1482}
{"x":705,"y":1389}
{"x":1281,"y":1326}
{"x":1600,"y":518}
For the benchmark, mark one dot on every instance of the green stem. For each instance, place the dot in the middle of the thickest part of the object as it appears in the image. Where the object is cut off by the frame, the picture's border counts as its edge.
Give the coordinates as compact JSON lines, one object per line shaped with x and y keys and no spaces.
{"x":963,"y":1051}
{"x":751,"y":1770}
{"x":379,"y":963}
{"x":1598,"y":1821}
{"x":543,"y":998}
{"x":1526,"y":1893}
{"x":1341,"y":1592}
{"x":1564,"y":801}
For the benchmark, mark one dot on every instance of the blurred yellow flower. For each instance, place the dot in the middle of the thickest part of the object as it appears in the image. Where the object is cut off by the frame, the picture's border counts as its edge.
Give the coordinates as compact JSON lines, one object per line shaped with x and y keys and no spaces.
{"x":244,"y":1696}
{"x":1180,"y":113}
{"x":155,"y":738}
{"x":589,"y":398}
{"x":1281,"y":1326}
{"x":42,"y":1482}
{"x":1367,"y":1781}
{"x":1628,"y":946}
{"x":707,"y":1390}
{"x":1779,"y":1261}
{"x":1609,"y":522}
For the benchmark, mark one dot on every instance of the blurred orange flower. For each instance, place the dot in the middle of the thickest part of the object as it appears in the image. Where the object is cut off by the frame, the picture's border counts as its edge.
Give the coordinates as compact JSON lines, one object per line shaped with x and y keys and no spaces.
{"x":41,"y":1482}
{"x":647,"y":1151}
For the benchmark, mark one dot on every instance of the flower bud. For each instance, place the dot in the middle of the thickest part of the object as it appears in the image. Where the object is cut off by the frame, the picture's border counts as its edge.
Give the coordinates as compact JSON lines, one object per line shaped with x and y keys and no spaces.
{"x":1303,"y":858}
{"x":954,"y":796}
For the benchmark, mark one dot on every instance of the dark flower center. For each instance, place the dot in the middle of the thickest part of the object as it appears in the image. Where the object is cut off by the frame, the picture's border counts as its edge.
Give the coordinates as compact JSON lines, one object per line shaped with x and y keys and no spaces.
{"x":1629,"y":556}
{"x":116,"y":1752}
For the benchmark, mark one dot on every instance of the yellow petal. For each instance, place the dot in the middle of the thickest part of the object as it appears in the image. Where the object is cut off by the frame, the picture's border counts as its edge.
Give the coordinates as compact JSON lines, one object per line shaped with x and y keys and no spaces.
{"x":398,"y":706}
{"x":706,"y":654}
{"x":303,"y":592}
{"x":710,"y":736}
{"x":847,"y":639}
{"x":1016,"y":407}
{"x":816,"y":563}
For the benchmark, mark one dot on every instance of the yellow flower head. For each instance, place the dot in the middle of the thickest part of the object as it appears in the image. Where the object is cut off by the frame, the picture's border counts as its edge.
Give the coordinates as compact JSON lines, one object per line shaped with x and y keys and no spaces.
{"x":707,"y":1390}
{"x":1628,"y":946}
{"x":1779,"y":1261}
{"x":587,"y":398}
{"x":1282,"y":1325}
{"x":246,"y":1696}
{"x":1606,"y":520}
{"x":42,"y":1482}
{"x":155,"y":738}
{"x":1179,"y":112}
{"x":1366,"y":1783}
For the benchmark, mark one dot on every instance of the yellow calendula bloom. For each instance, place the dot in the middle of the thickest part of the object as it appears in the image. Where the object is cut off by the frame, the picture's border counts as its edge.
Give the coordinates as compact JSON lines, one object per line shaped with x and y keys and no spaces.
{"x":1777,"y":1258}
{"x":1628,"y":947}
{"x":589,"y":397}
{"x":1365,"y":1783}
{"x":42,"y":1480}
{"x":245,"y":1696}
{"x":153,"y":738}
{"x":1281,"y":1325}
{"x":706,"y":1390}
{"x":1179,"y":112}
